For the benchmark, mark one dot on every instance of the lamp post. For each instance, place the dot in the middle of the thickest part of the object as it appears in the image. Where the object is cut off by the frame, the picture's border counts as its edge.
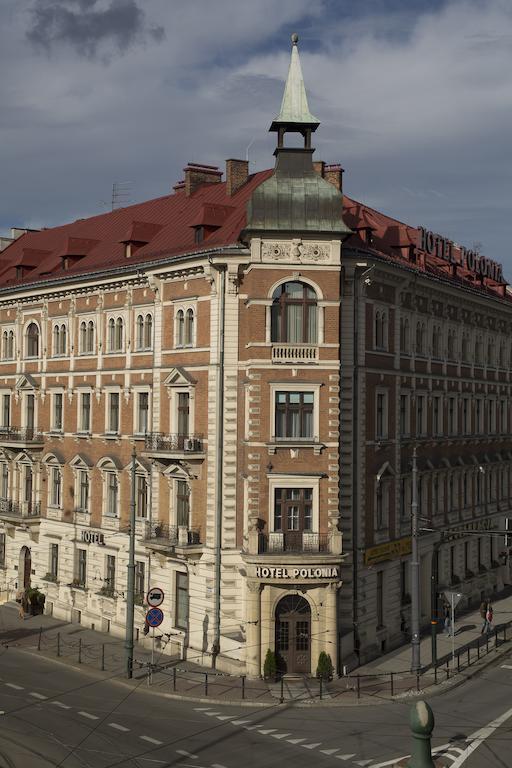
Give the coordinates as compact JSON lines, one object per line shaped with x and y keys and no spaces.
{"x":415,"y":570}
{"x":130,"y":590}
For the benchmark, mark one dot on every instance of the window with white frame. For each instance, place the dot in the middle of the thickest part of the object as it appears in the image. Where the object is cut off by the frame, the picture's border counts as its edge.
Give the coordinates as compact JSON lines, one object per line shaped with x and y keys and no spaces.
{"x":183,"y":503}
{"x":185,"y":327}
{"x":110,"y":575}
{"x":142,"y":413}
{"x":54,"y":561}
{"x":140,"y":580}
{"x":294,"y":415}
{"x":294,"y":314}
{"x":8,"y":344}
{"x":182,"y":601}
{"x":55,"y":487}
{"x":141,"y":496}
{"x":380,"y":328}
{"x":479,"y":351}
{"x":59,"y":339}
{"x":491,"y":352}
{"x":113,"y":405}
{"x":293,"y":509}
{"x":27,"y":479}
{"x":29,"y":411}
{"x":32,"y":340}
{"x":111,"y":494}
{"x":4,"y":480}
{"x":5,"y":411}
{"x":84,"y":411}
{"x":144,"y":331}
{"x":115,"y":334}
{"x":405,"y":498}
{"x":381,"y":415}
{"x":405,"y":414}
{"x":86,"y":337}
{"x":83,"y":483}
{"x":81,"y":568}
{"x":421,"y":414}
{"x":57,"y":411}
{"x":466,"y":349}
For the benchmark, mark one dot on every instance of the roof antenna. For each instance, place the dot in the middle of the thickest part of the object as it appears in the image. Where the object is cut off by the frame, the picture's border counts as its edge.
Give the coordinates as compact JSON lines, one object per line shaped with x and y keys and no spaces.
{"x":248,"y":148}
{"x":121,"y":194}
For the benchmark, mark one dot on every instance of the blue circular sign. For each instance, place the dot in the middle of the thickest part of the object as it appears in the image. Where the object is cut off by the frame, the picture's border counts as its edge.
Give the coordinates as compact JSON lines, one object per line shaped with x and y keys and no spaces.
{"x":154,"y":617}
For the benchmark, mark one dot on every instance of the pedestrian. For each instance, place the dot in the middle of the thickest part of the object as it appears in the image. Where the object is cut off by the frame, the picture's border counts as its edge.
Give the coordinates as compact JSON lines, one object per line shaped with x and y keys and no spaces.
{"x":483,"y":614}
{"x":447,"y":620}
{"x":489,"y":616}
{"x":20,"y":597}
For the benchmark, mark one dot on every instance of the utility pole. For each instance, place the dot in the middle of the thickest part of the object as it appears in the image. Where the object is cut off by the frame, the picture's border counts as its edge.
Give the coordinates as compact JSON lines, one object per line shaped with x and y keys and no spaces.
{"x":415,"y":571}
{"x":130,"y":591}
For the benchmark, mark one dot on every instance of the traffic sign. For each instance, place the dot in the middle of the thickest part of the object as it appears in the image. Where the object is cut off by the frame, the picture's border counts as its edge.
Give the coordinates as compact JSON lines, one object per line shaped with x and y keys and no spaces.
{"x":154,"y":617}
{"x":155,"y":597}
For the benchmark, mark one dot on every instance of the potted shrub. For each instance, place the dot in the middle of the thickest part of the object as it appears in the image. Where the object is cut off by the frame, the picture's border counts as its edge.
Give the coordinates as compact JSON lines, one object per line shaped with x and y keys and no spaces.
{"x":270,"y":666}
{"x":324,"y":669}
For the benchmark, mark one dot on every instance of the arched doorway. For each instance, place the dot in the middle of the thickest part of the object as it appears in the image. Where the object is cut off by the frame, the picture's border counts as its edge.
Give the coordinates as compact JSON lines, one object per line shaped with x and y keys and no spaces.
{"x":25,"y":568}
{"x":293,"y":634}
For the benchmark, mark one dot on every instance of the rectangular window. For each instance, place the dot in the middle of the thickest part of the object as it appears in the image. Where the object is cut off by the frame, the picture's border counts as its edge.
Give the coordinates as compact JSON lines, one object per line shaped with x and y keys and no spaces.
{"x":437,"y":415}
{"x":466,"y":415}
{"x":183,"y":414}
{"x":294,"y":415}
{"x":380,"y":598}
{"x":452,"y":415}
{"x":30,"y":412}
{"x":81,"y":575}
{"x":479,"y":416}
{"x":182,"y":601}
{"x":110,"y":573}
{"x":293,"y":509}
{"x":381,"y":418}
{"x":142,"y":413}
{"x":4,"y":479}
{"x":112,"y":489}
{"x":503,"y":415}
{"x":2,"y":550}
{"x":83,"y":490}
{"x":421,"y":414}
{"x":57,"y":411}
{"x":491,"y":416}
{"x":182,"y":503}
{"x":113,"y":412}
{"x":140,"y":580}
{"x":141,"y":496}
{"x":56,"y":487}
{"x":54,"y":561}
{"x":405,"y":420}
{"x":6,"y":411}
{"x":85,"y":412}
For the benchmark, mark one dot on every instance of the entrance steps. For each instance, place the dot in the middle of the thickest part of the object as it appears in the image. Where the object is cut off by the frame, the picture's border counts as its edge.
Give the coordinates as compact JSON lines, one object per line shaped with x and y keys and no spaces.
{"x":298,"y":688}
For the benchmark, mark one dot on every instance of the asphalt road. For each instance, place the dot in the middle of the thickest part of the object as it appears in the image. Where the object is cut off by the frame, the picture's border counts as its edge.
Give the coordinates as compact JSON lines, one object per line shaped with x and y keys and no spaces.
{"x":54,"y":715}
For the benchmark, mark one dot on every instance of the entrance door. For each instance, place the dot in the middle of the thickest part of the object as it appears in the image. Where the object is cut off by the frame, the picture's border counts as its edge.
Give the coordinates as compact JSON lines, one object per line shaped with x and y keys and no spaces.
{"x":26,"y":566}
{"x":293,"y":634}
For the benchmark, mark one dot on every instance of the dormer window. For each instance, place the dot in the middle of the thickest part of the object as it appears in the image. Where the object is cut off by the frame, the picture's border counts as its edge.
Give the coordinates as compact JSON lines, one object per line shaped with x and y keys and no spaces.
{"x":198,"y":234}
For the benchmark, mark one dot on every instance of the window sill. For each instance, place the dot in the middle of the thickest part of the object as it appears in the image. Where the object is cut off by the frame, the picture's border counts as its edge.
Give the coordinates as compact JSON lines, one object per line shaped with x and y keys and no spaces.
{"x":83,"y":434}
{"x":56,"y":432}
{"x":143,"y":349}
{"x":111,"y":435}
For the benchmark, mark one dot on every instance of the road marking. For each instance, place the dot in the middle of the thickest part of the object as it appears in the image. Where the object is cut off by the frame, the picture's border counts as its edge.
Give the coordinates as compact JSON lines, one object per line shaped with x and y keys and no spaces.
{"x":280,"y":735}
{"x":201,"y":709}
{"x":329,"y":751}
{"x":250,"y":727}
{"x":88,"y":715}
{"x":347,"y":757}
{"x":218,"y":765}
{"x":211,"y":713}
{"x":151,"y":741}
{"x":363,"y":762}
{"x":118,"y":727}
{"x":239,"y":722}
{"x":311,"y":746}
{"x":60,"y":704}
{"x":184,"y":753}
{"x":480,"y":736}
{"x":295,"y":741}
{"x":38,"y":696}
{"x":503,"y":666}
{"x":267,"y":731}
{"x":224,"y":717}
{"x":16,"y":687}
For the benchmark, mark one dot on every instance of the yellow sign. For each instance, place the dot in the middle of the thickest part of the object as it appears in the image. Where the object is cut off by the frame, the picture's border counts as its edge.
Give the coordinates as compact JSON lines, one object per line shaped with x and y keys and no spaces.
{"x":387,"y":551}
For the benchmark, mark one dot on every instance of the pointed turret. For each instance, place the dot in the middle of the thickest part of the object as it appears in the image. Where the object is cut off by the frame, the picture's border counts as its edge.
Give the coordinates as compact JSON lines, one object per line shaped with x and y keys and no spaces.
{"x":294,"y":107}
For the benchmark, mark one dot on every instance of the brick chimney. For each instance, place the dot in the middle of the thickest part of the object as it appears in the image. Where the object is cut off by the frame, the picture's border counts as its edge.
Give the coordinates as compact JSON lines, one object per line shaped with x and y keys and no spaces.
{"x":237,"y":173}
{"x":179,"y":187}
{"x":334,"y":175}
{"x":319,"y":167}
{"x":196,"y":175}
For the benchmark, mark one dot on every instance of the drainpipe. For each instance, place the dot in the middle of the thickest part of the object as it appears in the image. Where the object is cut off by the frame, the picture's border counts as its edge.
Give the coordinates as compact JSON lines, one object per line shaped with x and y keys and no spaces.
{"x":219,"y":419}
{"x":355,"y":467}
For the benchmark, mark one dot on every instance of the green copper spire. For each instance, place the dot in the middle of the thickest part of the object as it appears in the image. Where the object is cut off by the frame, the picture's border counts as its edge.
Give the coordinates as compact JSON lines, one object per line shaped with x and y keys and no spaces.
{"x":294,"y":107}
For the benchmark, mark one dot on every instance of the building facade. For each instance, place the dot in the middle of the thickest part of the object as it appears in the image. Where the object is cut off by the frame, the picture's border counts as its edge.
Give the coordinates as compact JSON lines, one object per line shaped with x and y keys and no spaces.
{"x":250,"y":362}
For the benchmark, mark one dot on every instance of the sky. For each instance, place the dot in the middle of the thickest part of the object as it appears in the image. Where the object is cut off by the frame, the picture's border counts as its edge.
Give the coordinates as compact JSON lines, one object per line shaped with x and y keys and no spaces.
{"x":414,"y":100}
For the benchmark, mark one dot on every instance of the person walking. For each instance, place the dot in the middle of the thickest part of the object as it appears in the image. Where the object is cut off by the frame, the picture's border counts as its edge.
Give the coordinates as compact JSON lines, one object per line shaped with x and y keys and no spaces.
{"x":483,"y":614}
{"x":447,"y":620}
{"x":20,"y":599}
{"x":489,"y":617}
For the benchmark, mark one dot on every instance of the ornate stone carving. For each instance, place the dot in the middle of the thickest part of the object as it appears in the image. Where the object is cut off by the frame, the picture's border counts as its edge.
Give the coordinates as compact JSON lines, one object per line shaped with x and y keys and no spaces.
{"x":296,"y":251}
{"x":276,"y":251}
{"x":315,"y":252}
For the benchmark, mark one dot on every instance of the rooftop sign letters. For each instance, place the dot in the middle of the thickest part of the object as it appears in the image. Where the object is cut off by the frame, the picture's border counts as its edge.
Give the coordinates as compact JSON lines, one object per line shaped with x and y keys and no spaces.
{"x":321,"y":572}
{"x":443,"y":248}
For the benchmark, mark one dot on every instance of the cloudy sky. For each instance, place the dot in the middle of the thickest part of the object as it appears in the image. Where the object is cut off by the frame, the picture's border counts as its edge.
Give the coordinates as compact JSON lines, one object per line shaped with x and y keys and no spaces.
{"x":414,"y":98}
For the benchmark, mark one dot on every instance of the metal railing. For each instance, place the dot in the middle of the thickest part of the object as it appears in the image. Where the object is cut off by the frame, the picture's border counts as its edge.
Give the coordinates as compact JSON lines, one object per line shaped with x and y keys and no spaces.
{"x":293,"y":541}
{"x":160,"y":441}
{"x":20,"y":435}
{"x":172,"y":534}
{"x":12,"y":508}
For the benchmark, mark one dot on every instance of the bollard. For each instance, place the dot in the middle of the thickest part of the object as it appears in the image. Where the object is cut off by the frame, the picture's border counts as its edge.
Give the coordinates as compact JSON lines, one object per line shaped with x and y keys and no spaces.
{"x":421,"y":719}
{"x":39,"y":639}
{"x":79,"y":650}
{"x":206,"y":683}
{"x":435,"y":674}
{"x":243,"y":687}
{"x":392,"y":684}
{"x":174,"y":678}
{"x":281,"y":698}
{"x":58,"y":643}
{"x":103,"y":657}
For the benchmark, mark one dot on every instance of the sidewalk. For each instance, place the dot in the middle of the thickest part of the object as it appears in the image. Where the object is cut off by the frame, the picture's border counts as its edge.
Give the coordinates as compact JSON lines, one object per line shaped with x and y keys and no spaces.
{"x":379,"y":681}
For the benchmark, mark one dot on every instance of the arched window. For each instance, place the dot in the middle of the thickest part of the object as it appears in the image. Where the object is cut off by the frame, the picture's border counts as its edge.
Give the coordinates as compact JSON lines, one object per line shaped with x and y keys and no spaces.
{"x":119,"y":334}
{"x":491,"y":353}
{"x":140,"y":332}
{"x":420,"y":338}
{"x":56,"y":340}
{"x":405,"y":342}
{"x":32,"y":340}
{"x":111,"y":334}
{"x":83,"y":336}
{"x":90,"y":337}
{"x":10,"y":345}
{"x":478,"y":351}
{"x":189,"y":328}
{"x":381,"y":329}
{"x":436,"y":341}
{"x":63,"y":340}
{"x":465,"y":349}
{"x":451,"y":345}
{"x":294,"y":314}
{"x":180,"y":328}
{"x":501,"y":361}
{"x":112,"y":497}
{"x":148,"y":332}
{"x":5,"y":345}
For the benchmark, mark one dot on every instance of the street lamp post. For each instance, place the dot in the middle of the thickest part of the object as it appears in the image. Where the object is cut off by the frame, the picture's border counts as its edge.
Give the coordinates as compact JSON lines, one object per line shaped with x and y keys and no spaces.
{"x":415,"y":571}
{"x":130,"y":591}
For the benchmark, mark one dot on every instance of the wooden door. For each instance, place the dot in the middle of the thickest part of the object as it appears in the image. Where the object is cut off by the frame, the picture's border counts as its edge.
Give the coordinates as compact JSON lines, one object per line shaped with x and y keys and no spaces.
{"x":293,"y":635}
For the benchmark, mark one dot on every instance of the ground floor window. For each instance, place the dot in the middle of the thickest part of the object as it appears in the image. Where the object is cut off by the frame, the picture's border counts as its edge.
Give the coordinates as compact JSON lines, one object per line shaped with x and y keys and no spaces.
{"x":182,"y":600}
{"x":140,"y":580}
{"x":54,"y":561}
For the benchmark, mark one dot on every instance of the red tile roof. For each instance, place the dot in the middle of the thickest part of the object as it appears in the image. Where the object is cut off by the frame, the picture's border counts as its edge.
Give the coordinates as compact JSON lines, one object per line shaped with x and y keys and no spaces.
{"x":165,"y":226}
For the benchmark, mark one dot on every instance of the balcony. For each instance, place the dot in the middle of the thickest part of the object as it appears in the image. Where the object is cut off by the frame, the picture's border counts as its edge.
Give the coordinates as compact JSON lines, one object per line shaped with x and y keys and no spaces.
{"x":294,"y":542}
{"x":164,"y":537}
{"x":294,"y":353}
{"x":21,"y":437}
{"x":172,"y":446}
{"x":20,"y":511}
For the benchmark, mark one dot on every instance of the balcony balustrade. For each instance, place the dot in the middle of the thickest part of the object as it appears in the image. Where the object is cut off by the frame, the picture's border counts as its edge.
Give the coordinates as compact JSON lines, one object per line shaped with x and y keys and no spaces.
{"x":160,"y":442}
{"x":21,"y":436}
{"x":19,"y":510}
{"x":164,"y":535}
{"x":294,"y":542}
{"x":294,"y":353}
